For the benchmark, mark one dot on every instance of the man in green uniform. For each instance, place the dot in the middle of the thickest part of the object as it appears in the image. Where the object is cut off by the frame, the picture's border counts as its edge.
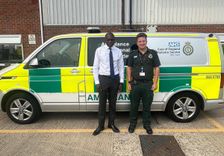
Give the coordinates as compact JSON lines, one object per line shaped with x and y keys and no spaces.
{"x":142,"y":75}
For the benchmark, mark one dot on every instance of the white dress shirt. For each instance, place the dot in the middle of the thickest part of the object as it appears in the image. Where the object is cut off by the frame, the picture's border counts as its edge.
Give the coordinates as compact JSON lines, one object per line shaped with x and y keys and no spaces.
{"x":101,"y":65}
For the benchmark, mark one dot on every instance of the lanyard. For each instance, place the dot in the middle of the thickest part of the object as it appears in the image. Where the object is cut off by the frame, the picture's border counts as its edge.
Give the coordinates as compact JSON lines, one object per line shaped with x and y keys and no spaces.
{"x":141,"y":58}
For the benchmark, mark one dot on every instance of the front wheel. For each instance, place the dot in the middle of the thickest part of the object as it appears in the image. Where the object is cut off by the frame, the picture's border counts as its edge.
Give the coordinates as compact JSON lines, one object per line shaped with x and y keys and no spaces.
{"x":22,"y":108}
{"x":183,"y":107}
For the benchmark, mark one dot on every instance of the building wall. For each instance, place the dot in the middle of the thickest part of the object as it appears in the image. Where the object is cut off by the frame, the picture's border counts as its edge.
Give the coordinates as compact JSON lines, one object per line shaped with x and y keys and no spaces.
{"x":109,"y":12}
{"x":21,"y":17}
{"x":184,"y":12}
{"x":50,"y":31}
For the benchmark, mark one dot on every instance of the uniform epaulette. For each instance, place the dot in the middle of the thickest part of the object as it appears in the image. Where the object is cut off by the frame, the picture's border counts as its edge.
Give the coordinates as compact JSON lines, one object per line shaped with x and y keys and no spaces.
{"x":132,"y":51}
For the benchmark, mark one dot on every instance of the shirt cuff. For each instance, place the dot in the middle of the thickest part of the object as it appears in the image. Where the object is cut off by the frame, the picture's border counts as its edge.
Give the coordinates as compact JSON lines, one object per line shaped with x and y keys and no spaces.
{"x":97,"y":82}
{"x":121,"y":80}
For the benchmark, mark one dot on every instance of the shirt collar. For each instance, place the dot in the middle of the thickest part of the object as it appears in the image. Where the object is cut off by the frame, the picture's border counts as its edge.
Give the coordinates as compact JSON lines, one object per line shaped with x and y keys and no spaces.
{"x":147,"y":51}
{"x":108,"y":47}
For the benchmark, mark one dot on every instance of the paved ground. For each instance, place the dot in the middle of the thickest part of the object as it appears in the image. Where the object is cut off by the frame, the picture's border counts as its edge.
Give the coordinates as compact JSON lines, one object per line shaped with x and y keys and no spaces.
{"x":70,"y":134}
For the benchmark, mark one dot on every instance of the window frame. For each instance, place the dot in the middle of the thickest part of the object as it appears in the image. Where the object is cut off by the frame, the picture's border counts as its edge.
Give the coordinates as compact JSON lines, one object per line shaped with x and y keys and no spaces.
{"x":15,"y":46}
{"x":27,"y":66}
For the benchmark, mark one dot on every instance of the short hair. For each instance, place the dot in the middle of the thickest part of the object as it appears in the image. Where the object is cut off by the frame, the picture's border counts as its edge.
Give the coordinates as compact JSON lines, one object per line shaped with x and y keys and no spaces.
{"x":141,"y":35}
{"x":109,"y":34}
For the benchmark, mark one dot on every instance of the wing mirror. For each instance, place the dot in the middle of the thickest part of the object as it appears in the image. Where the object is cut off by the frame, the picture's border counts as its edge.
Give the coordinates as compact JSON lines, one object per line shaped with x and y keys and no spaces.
{"x":34,"y":62}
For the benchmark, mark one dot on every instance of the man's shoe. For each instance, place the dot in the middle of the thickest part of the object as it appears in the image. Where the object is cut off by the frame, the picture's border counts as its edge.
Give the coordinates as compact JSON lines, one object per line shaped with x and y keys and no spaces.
{"x":148,"y":130}
{"x":97,"y":131}
{"x":131,"y":129}
{"x":114,"y":128}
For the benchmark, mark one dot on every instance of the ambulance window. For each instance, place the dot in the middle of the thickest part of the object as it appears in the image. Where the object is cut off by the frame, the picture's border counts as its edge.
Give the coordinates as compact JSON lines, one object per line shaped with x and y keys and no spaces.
{"x":180,"y":51}
{"x":123,"y":43}
{"x":60,"y":53}
{"x":222,"y":47}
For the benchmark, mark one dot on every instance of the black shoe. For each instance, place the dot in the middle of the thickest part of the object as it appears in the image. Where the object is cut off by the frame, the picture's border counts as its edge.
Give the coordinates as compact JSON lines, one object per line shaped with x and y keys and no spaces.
{"x":148,"y":130}
{"x":114,"y":128}
{"x":97,"y":131}
{"x":131,"y":129}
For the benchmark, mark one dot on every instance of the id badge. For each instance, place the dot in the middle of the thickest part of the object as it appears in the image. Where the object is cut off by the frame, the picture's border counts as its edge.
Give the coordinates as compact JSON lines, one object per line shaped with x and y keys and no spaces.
{"x":142,"y":74}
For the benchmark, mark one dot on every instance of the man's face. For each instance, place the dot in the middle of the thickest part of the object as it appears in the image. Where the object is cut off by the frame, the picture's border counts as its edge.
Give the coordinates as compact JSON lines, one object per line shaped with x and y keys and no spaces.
{"x":110,"y":39}
{"x":141,"y":42}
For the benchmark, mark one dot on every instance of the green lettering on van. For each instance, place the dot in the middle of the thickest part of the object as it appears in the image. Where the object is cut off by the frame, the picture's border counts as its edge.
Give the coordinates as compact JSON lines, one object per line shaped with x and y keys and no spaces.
{"x":95,"y":97}
{"x":126,"y":97}
{"x":90,"y":98}
{"x":120,"y":97}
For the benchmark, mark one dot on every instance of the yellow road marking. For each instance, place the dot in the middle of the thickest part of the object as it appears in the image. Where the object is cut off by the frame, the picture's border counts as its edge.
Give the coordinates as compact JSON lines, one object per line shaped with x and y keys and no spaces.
{"x":213,"y":121}
{"x":26,"y":131}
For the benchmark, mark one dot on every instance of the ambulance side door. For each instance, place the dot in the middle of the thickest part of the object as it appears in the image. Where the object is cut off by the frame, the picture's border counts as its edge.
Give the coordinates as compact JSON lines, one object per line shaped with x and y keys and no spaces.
{"x":58,"y":79}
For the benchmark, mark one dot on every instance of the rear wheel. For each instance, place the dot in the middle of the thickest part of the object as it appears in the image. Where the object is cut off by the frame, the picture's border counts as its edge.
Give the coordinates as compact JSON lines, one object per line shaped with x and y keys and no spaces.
{"x":22,"y":108}
{"x":183,"y":107}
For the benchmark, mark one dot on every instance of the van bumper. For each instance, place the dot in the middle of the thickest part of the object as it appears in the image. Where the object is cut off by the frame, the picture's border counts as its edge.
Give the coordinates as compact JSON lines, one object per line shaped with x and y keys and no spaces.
{"x":213,"y":104}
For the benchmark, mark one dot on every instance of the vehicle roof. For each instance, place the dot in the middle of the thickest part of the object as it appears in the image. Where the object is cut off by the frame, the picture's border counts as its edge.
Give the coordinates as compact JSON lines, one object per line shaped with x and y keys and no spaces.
{"x":165,"y":34}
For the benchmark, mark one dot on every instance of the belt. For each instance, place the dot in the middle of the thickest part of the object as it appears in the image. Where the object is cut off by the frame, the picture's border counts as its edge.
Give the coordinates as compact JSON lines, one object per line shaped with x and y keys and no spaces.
{"x":108,"y":76}
{"x":141,"y":81}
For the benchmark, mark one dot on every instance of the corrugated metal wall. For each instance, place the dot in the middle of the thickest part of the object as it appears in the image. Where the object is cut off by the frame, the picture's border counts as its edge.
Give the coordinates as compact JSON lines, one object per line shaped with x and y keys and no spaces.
{"x":139,"y":10}
{"x":185,"y":11}
{"x":108,"y":12}
{"x":82,"y":12}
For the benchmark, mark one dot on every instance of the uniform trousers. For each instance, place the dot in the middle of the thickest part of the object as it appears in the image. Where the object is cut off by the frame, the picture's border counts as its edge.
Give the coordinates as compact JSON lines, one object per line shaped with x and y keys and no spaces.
{"x":141,"y":92}
{"x":108,"y":91}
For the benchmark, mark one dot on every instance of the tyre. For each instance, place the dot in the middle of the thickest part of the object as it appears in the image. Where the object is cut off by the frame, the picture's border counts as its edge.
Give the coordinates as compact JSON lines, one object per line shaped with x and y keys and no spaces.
{"x":183,"y":107}
{"x":22,"y":108}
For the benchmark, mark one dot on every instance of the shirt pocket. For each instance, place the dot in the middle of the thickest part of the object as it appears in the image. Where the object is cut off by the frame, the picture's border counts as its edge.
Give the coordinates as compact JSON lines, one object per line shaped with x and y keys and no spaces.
{"x":104,"y":57}
{"x":149,"y":61}
{"x":115,"y":57}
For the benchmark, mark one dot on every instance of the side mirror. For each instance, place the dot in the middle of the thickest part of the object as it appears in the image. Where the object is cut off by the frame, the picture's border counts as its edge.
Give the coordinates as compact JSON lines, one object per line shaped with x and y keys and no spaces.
{"x":34,"y":62}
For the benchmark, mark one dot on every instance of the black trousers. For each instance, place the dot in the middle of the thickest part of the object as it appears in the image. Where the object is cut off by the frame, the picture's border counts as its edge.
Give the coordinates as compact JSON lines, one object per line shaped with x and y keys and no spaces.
{"x":141,"y":92}
{"x":108,"y":91}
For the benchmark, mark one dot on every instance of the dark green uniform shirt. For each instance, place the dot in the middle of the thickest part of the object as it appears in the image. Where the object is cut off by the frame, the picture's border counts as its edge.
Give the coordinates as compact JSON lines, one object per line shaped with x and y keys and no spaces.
{"x":143,"y":63}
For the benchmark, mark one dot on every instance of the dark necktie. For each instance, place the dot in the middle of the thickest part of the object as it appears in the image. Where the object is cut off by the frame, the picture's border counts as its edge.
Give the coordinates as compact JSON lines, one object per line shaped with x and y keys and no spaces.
{"x":111,"y":63}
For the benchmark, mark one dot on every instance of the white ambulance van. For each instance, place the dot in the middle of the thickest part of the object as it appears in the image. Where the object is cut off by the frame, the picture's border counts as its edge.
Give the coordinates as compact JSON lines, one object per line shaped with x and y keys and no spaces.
{"x":58,"y":76}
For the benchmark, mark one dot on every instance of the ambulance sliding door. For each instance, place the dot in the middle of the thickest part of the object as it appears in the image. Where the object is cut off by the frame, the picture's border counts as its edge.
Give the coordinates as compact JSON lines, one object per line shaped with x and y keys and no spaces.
{"x":122,"y":42}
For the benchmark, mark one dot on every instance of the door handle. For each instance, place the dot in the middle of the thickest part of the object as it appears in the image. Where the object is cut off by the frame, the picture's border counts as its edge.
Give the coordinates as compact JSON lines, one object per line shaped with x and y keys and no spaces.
{"x":75,"y":71}
{"x":91,"y":70}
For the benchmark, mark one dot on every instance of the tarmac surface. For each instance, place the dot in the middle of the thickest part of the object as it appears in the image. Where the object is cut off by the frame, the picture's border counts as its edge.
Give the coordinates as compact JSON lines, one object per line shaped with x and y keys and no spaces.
{"x":70,"y":134}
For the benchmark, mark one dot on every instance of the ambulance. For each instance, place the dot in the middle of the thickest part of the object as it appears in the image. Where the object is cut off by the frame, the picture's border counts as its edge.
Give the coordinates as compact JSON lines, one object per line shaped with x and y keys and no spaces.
{"x":58,"y":76}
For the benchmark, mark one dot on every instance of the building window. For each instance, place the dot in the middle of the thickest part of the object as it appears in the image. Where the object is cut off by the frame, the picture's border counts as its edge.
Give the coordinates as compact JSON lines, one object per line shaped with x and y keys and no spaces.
{"x":11,"y":50}
{"x":11,"y":53}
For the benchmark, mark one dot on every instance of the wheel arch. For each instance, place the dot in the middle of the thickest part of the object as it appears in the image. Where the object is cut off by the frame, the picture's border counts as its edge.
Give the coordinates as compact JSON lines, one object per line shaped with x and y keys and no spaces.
{"x":196,"y":93}
{"x":16,"y":91}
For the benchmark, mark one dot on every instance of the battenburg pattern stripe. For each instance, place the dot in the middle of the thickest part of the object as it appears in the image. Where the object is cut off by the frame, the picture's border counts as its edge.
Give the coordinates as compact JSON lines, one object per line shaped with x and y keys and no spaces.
{"x":45,"y":80}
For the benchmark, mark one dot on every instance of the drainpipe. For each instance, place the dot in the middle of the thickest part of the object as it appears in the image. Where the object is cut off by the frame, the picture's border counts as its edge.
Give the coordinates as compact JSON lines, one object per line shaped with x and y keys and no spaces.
{"x":130,"y":15}
{"x":123,"y":13}
{"x":41,"y":21}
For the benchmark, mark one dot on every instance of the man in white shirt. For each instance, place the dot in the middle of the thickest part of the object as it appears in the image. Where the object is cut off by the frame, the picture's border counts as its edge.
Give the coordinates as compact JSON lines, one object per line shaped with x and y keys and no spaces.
{"x":108,"y":71}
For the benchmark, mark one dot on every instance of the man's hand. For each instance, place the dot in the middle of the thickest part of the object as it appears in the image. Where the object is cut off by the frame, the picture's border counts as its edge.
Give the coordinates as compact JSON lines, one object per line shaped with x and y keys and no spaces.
{"x":98,"y":88}
{"x":120,"y":87}
{"x":154,"y":86}
{"x":129,"y":87}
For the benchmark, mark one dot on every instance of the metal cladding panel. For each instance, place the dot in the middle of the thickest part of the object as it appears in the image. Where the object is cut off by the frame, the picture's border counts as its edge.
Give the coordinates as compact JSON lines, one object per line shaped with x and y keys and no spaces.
{"x":184,"y":12}
{"x":82,"y":12}
{"x":108,"y":12}
{"x":139,"y":10}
